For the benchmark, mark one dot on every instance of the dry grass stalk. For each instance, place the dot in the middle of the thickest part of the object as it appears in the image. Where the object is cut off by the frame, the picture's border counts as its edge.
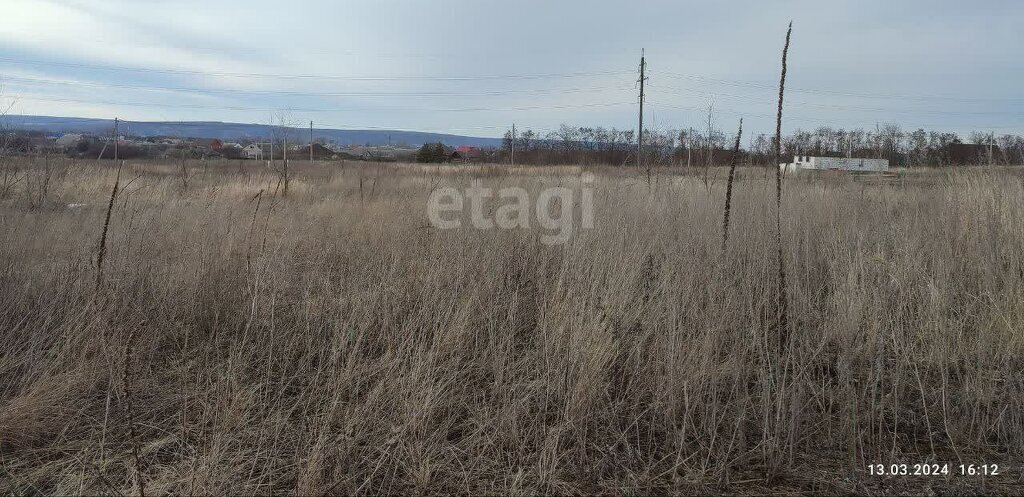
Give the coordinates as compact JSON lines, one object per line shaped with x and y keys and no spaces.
{"x":106,"y":226}
{"x":728,"y":187}
{"x":783,"y":309}
{"x":287,"y":178}
{"x":780,"y":438}
{"x":184,"y":172}
{"x":252,"y":225}
{"x":126,"y":379}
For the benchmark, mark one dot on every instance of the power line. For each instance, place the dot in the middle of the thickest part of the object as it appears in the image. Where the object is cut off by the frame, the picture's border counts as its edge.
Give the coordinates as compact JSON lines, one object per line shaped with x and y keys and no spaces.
{"x":815,"y":119}
{"x":89,"y":84}
{"x":682,"y":91}
{"x":656,"y":88}
{"x":311,"y":76}
{"x":721,"y":81}
{"x":323,"y":127}
{"x":767,"y":86}
{"x":318,"y":109}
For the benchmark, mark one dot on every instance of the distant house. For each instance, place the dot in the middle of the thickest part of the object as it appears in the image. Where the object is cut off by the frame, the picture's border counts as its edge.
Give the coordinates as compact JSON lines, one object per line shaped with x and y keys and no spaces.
{"x":383,"y":153}
{"x":253,"y":151}
{"x":379,"y":153}
{"x":321,"y":152}
{"x":216,"y":145}
{"x":806,"y":162}
{"x":466,"y":153}
{"x":336,"y":148}
{"x":69,"y":140}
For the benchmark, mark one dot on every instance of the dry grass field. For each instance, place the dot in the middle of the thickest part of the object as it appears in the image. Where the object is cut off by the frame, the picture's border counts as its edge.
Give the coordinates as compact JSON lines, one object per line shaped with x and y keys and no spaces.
{"x":332,"y":341}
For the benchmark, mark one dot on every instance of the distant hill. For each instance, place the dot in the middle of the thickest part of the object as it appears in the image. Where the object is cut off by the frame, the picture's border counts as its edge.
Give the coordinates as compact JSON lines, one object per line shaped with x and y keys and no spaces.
{"x":237,"y":131}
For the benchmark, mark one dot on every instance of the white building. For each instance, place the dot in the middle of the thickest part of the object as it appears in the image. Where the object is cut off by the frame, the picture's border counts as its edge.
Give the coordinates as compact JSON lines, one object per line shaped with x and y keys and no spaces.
{"x":69,"y":140}
{"x":253,"y":151}
{"x":806,"y":162}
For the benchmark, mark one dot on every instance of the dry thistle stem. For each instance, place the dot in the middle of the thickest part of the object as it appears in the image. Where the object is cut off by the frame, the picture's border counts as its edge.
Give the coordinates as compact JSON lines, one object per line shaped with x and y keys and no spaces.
{"x":106,"y":225}
{"x":783,"y":311}
{"x":728,"y":187}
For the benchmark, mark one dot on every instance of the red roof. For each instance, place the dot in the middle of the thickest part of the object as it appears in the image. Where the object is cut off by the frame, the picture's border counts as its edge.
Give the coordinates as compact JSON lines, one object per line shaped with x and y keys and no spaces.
{"x":466,"y":148}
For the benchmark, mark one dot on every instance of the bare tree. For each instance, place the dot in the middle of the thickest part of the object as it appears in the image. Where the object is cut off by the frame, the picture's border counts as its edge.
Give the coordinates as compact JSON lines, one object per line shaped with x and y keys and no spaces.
{"x":709,"y":147}
{"x":8,"y":172}
{"x":184,"y":172}
{"x":283,"y":124}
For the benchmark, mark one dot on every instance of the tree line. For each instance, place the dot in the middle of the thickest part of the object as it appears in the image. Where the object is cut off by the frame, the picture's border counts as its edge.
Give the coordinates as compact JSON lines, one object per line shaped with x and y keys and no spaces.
{"x":611,"y":146}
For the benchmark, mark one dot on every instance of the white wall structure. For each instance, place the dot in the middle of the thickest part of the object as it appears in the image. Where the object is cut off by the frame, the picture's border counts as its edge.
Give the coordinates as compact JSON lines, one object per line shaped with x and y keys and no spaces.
{"x":806,"y":162}
{"x":69,"y":140}
{"x":253,"y":151}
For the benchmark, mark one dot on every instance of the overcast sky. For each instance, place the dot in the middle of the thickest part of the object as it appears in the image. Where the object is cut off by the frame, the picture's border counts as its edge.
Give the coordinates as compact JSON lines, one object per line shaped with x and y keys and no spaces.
{"x":476,"y":66}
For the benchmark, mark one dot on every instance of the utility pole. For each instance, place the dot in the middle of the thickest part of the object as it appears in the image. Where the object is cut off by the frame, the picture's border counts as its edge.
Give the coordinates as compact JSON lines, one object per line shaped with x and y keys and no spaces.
{"x":311,"y":142}
{"x":640,"y":134}
{"x":513,"y":144}
{"x":116,"y":138}
{"x":284,"y":157}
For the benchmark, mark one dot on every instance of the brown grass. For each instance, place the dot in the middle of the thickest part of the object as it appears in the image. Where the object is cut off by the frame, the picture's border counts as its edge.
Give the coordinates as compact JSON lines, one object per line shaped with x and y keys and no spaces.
{"x":362,"y":351}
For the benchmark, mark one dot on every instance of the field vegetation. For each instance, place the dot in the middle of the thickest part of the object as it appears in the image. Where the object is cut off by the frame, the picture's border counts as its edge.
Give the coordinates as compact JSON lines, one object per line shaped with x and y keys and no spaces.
{"x":235,"y":339}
